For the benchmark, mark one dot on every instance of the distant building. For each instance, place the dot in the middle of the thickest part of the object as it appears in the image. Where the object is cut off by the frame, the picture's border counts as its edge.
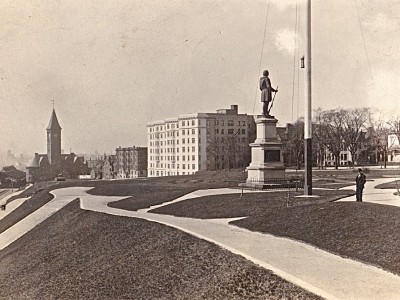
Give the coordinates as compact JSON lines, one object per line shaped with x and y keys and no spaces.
{"x":110,"y":167}
{"x":48,"y":166}
{"x":201,"y":141}
{"x":131,"y":162}
{"x":11,"y":177}
{"x":103,"y":167}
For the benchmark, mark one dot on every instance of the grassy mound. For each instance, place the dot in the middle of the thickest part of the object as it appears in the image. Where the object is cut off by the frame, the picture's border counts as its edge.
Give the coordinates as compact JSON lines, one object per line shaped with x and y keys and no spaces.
{"x":78,"y":254}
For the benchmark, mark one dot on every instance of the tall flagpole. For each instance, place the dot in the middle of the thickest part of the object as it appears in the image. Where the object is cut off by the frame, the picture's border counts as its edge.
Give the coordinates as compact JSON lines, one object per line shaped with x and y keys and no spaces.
{"x":307,"y":117}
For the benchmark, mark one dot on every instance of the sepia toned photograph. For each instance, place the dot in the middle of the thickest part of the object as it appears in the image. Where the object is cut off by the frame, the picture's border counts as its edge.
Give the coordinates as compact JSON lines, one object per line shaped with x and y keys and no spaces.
{"x":199,"y":149}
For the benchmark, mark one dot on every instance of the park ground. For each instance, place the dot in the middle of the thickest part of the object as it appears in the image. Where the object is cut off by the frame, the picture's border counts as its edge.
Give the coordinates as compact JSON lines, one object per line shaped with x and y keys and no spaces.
{"x":80,"y":254}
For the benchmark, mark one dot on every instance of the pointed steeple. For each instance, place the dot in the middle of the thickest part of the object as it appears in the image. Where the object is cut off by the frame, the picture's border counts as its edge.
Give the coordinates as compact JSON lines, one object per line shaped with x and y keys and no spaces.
{"x":54,"y":139}
{"x":53,"y":124}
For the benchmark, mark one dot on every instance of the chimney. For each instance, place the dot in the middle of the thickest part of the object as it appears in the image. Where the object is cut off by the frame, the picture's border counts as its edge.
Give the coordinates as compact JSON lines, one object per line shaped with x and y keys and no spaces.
{"x":235,"y":109}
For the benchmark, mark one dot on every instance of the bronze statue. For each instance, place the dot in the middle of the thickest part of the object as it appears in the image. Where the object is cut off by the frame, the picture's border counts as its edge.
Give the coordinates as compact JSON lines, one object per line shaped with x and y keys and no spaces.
{"x":266,"y":92}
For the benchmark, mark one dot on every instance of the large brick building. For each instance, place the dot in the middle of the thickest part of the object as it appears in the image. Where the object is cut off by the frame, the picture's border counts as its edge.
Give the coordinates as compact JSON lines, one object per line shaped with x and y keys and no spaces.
{"x":199,"y":141}
{"x":131,"y":162}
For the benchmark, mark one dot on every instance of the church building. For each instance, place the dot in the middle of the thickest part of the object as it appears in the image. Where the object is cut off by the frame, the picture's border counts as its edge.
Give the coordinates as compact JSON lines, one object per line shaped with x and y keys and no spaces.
{"x":48,"y":166}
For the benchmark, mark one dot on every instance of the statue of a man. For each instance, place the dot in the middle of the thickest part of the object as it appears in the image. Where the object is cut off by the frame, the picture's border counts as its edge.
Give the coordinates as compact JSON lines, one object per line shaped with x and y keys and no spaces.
{"x":266,"y":92}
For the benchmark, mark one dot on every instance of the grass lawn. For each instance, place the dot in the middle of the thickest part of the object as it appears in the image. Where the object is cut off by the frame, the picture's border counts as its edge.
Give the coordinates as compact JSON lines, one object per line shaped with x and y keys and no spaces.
{"x":362,"y":231}
{"x":252,"y":204}
{"x":395,"y":184}
{"x":144,"y":192}
{"x":101,"y":256}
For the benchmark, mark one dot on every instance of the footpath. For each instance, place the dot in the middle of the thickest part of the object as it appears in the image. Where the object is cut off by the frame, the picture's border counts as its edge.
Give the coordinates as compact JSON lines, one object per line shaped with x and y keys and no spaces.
{"x":320,"y":272}
{"x":7,"y":194}
{"x":379,"y":196}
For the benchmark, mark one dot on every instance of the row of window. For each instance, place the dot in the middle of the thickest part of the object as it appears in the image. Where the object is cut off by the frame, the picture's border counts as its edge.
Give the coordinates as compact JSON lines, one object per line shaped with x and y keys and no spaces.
{"x":229,"y":123}
{"x":172,"y":142}
{"x":230,"y":131}
{"x":172,"y":150}
{"x":168,"y":173}
{"x":172,"y":158}
{"x":193,"y":123}
{"x":161,"y":135}
{"x":172,"y":125}
{"x":178,"y":166}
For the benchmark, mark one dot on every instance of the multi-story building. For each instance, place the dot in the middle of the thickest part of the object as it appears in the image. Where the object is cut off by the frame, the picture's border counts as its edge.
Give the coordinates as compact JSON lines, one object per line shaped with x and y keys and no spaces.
{"x":131,"y":162}
{"x":201,"y":141}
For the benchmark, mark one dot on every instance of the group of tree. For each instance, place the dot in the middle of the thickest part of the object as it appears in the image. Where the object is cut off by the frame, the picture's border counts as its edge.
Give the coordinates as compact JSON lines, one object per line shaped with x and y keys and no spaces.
{"x":360,"y":131}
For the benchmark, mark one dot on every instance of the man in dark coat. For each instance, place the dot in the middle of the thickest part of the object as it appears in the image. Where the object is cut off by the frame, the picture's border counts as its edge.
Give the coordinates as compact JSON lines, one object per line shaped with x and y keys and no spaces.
{"x":360,"y":181}
{"x":266,"y":92}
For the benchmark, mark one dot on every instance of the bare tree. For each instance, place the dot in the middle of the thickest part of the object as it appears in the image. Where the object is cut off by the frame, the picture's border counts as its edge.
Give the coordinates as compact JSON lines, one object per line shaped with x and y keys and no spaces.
{"x":329,"y":130}
{"x":354,"y":122}
{"x":380,"y":130}
{"x":214,"y":152}
{"x":293,"y":143}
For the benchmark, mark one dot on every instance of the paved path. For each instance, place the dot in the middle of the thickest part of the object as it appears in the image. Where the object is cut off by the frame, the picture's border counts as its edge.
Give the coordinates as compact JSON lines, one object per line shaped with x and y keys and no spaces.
{"x":325,"y":274}
{"x":7,"y":194}
{"x":381,"y":196}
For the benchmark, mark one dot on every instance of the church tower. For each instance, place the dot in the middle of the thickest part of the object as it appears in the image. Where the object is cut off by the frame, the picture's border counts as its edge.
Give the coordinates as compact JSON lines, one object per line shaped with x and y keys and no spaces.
{"x":54,"y":139}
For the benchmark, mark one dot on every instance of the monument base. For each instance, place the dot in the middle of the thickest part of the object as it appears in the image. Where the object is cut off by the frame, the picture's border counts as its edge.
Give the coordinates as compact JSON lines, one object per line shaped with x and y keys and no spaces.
{"x":266,"y":169}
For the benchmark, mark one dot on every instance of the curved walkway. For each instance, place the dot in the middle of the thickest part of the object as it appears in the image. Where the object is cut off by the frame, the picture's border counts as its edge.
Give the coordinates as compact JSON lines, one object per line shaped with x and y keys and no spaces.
{"x":320,"y":272}
{"x":379,"y":196}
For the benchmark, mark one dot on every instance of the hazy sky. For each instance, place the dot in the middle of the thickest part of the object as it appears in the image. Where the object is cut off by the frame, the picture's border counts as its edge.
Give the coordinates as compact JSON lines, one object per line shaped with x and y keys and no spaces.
{"x":113,"y":66}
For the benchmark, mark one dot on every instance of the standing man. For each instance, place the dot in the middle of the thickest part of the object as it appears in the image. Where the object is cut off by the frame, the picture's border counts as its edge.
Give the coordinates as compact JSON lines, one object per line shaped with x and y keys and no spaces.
{"x":360,"y":181}
{"x":266,"y":92}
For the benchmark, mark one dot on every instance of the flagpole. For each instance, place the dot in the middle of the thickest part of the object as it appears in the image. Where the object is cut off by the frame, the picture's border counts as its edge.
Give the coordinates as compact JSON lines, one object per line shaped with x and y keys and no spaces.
{"x":307,"y":117}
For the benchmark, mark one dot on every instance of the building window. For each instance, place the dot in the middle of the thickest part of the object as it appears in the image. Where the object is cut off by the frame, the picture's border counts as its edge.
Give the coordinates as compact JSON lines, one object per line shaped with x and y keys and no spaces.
{"x":193,"y":166}
{"x":183,"y":149}
{"x":193,"y":149}
{"x":216,"y":130}
{"x":193,"y":122}
{"x":183,"y":140}
{"x":193,"y":131}
{"x":193,"y":140}
{"x":193,"y":157}
{"x":230,"y":122}
{"x":230,"y":131}
{"x":243,"y":131}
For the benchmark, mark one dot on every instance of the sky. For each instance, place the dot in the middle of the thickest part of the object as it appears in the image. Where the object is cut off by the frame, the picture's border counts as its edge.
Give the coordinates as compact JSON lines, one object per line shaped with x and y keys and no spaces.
{"x":113,"y":66}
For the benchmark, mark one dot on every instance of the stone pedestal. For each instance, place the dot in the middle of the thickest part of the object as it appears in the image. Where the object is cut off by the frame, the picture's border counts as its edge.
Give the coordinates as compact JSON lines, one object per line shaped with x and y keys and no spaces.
{"x":266,"y":154}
